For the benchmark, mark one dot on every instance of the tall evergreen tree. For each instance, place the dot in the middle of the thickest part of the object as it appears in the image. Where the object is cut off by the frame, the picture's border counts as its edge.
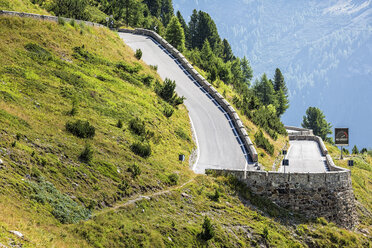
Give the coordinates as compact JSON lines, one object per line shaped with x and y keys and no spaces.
{"x":175,"y":35}
{"x":154,"y":6}
{"x":316,"y":121}
{"x":201,"y":27}
{"x":264,"y":90}
{"x":283,"y":103}
{"x":247,"y":71}
{"x":166,"y":11}
{"x":281,"y":92}
{"x":236,"y":72}
{"x":193,"y":30}
{"x":279,"y":81}
{"x":227,"y":53}
{"x":355,"y":150}
{"x":184,"y":26}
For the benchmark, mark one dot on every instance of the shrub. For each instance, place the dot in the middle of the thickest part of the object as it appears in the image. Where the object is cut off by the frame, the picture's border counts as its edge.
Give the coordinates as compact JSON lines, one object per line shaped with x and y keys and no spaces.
{"x":143,"y":150}
{"x":75,"y":108}
{"x":61,"y":21}
{"x":124,"y":187}
{"x":182,"y":134}
{"x":81,"y":129}
{"x":137,"y":126}
{"x":87,"y":154}
{"x":73,"y":23}
{"x":123,"y":66}
{"x":147,"y":80}
{"x":63,"y":207}
{"x":167,"y":92}
{"x":216,"y":196}
{"x":138,"y":54}
{"x":265,"y":233}
{"x":154,"y":67}
{"x":135,"y":170}
{"x":14,"y":143}
{"x":38,"y":53}
{"x":119,"y":124}
{"x":168,"y":111}
{"x":264,"y":143}
{"x":173,"y":179}
{"x":208,"y":229}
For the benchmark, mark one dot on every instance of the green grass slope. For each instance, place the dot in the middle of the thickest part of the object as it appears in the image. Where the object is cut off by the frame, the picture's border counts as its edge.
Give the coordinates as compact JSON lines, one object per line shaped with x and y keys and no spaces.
{"x":54,"y":74}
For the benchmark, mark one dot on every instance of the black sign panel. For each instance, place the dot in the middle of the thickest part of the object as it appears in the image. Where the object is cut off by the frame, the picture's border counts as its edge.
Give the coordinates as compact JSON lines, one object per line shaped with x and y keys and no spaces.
{"x":285,"y":162}
{"x":341,"y":136}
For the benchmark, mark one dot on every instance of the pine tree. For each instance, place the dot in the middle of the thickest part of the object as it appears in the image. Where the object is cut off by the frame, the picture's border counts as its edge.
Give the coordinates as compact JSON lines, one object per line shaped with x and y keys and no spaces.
{"x":193,"y":30}
{"x":154,"y":7}
{"x":316,"y":121}
{"x":264,"y":90}
{"x":281,"y":92}
{"x":184,"y":26}
{"x":206,"y":55}
{"x":166,"y":12}
{"x":175,"y":34}
{"x":247,"y":70}
{"x":283,"y":103}
{"x":236,"y":72}
{"x":227,"y":53}
{"x":279,"y":81}
{"x":355,"y":150}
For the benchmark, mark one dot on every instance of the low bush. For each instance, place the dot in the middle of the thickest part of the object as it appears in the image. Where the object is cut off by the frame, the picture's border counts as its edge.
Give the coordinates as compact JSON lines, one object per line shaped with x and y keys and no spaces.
{"x":137,"y":126}
{"x":208,"y":229}
{"x":87,"y":154}
{"x":71,"y":78}
{"x":119,"y":124}
{"x":81,"y":129}
{"x":147,"y":80}
{"x":143,"y":150}
{"x":123,"y":66}
{"x":61,"y":21}
{"x":138,"y":54}
{"x":167,"y":92}
{"x":168,"y":111}
{"x":63,"y":208}
{"x":154,"y":67}
{"x":38,"y":53}
{"x":173,"y":179}
{"x":264,"y":143}
{"x":182,"y":134}
{"x":135,"y":170}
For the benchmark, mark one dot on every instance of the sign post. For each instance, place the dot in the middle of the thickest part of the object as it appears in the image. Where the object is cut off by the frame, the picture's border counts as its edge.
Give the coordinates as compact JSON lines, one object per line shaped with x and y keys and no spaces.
{"x":341,"y":137}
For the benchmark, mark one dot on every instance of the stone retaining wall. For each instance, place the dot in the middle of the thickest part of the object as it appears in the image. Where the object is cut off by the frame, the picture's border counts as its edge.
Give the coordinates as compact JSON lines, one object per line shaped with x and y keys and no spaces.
{"x":206,"y":85}
{"x":46,"y":17}
{"x":329,"y":195}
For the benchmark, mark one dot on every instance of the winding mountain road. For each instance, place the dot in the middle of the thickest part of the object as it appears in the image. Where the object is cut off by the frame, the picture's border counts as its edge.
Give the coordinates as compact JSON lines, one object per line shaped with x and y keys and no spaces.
{"x":219,"y":145}
{"x":305,"y":156}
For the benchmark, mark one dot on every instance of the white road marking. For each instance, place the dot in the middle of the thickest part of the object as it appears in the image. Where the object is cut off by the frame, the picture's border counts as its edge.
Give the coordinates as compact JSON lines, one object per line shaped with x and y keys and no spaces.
{"x":197,"y":144}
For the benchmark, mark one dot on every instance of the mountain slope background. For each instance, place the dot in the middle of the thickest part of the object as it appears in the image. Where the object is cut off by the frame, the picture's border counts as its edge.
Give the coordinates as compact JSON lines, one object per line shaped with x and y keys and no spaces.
{"x":322,"y":48}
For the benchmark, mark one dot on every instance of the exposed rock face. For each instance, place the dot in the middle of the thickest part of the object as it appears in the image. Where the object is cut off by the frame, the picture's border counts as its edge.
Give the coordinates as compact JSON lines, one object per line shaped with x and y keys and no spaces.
{"x":329,"y":195}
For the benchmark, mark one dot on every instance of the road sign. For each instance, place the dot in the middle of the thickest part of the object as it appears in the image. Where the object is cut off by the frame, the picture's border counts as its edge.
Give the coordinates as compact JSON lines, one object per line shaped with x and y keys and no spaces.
{"x":284,"y":152}
{"x":350,"y":163}
{"x":341,"y":136}
{"x":181,"y":157}
{"x":285,"y":162}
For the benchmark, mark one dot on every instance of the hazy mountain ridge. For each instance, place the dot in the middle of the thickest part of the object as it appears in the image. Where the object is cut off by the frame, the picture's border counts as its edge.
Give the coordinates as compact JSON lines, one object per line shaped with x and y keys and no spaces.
{"x":323,"y":49}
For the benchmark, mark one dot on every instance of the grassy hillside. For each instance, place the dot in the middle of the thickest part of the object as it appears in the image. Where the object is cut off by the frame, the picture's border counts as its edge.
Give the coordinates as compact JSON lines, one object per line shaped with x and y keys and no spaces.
{"x":51,"y":75}
{"x":21,"y":6}
{"x":361,"y":175}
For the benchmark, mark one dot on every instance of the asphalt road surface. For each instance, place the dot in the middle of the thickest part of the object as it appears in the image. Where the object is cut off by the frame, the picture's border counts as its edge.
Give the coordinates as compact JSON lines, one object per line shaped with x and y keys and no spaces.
{"x":218,"y":143}
{"x":304,"y":156}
